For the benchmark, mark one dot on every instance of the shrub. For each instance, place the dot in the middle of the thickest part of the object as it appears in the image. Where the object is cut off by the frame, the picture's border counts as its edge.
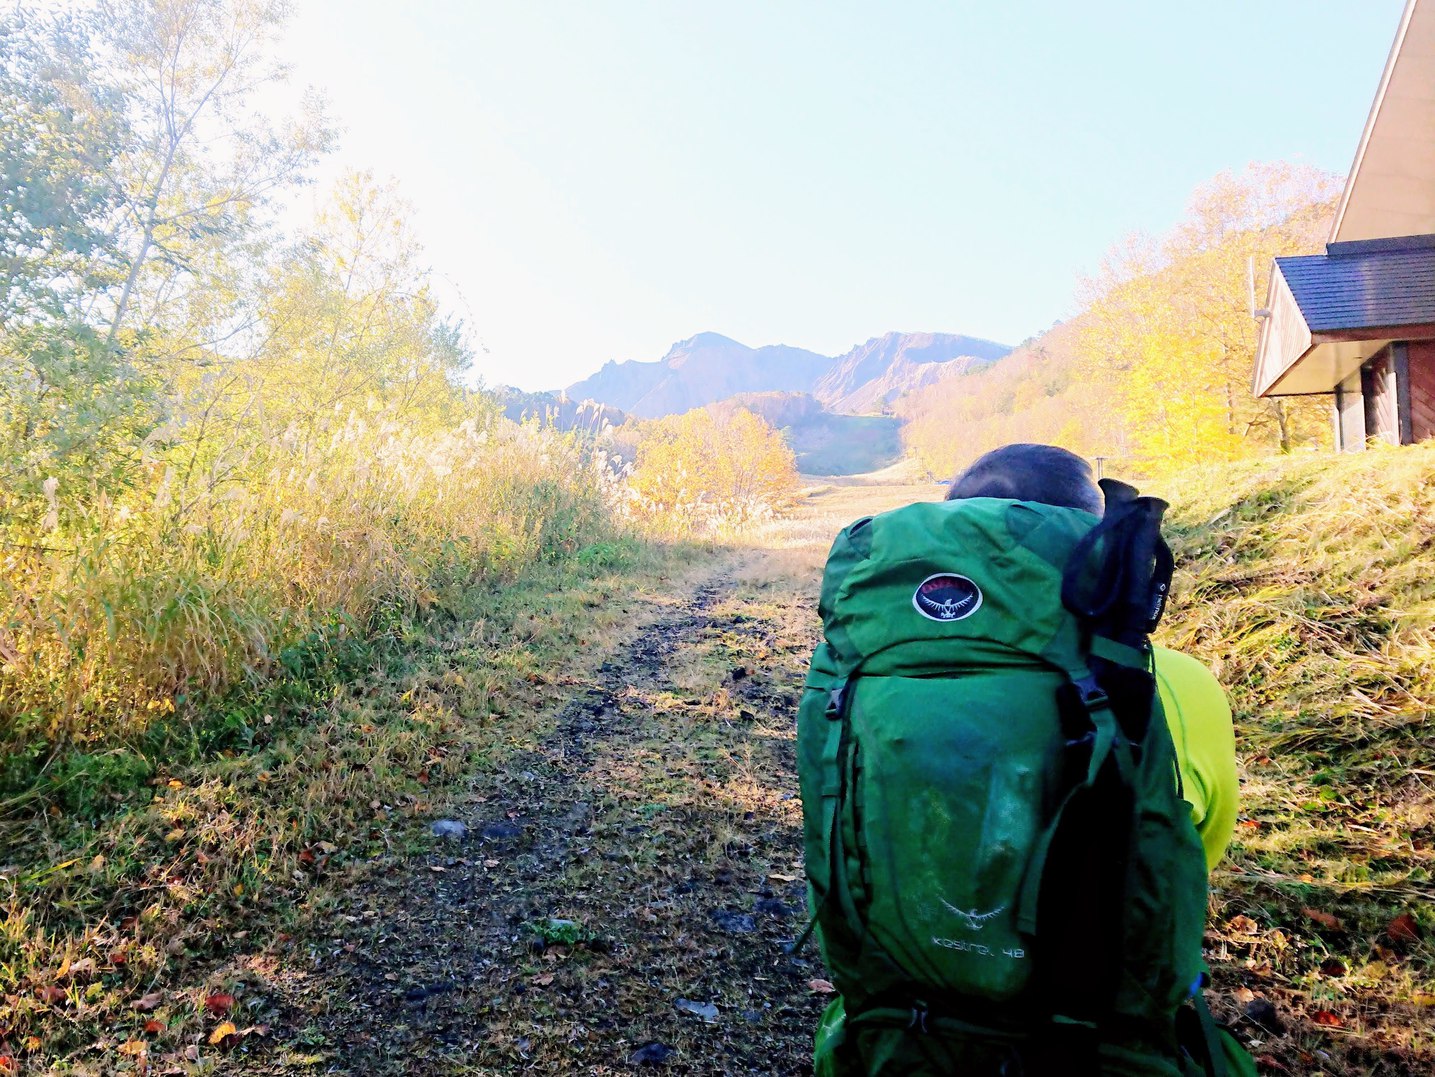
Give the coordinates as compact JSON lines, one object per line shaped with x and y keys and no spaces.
{"x":704,"y":471}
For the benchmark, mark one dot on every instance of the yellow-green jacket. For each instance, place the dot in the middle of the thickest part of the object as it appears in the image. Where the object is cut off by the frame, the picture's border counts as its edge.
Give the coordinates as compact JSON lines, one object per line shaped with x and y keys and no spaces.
{"x":1200,"y":720}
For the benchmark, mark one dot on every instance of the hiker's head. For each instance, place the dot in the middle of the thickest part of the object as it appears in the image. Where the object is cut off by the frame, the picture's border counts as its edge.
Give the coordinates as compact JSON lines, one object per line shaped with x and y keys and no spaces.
{"x":1041,"y":473}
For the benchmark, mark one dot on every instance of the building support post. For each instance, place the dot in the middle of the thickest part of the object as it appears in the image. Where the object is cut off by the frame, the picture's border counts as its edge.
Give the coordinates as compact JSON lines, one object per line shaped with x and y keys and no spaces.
{"x":1400,"y":356}
{"x":1350,"y":431}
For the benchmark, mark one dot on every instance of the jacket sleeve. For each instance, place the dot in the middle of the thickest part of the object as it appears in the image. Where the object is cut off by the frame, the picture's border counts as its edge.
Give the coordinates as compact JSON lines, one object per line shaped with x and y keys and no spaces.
{"x":1200,"y":719}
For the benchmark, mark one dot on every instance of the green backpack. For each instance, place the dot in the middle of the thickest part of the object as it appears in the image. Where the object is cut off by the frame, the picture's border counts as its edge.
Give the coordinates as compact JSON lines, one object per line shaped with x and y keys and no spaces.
{"x":1001,"y":869}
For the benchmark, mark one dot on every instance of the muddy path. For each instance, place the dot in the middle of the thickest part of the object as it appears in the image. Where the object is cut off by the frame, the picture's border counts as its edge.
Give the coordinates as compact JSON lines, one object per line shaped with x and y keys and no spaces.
{"x":624,"y":892}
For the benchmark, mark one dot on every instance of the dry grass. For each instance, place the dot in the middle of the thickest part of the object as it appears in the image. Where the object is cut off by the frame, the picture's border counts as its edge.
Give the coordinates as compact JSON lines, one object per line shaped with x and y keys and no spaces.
{"x":133,"y":605}
{"x":1308,"y":584}
{"x":116,"y":925}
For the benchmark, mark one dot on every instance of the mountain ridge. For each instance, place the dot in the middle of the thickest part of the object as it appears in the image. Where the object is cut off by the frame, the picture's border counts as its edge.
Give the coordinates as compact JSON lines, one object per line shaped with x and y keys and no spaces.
{"x":709,"y":367}
{"x":873,"y":375}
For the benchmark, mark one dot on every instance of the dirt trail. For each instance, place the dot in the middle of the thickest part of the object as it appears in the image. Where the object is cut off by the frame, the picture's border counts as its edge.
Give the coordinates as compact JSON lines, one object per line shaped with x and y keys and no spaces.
{"x":627,"y":887}
{"x":646,"y":852}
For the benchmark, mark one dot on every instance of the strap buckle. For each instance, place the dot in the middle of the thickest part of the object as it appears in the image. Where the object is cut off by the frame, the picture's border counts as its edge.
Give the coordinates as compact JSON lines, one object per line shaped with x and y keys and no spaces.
{"x":1093,"y":696}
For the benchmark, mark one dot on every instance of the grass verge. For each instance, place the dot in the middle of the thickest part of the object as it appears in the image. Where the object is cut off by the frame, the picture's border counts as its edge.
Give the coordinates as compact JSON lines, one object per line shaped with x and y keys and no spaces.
{"x":1308,"y":585}
{"x":127,"y":886}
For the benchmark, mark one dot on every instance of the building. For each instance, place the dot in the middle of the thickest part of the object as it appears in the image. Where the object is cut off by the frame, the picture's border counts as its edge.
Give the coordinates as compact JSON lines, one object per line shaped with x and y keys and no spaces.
{"x":1358,"y":322}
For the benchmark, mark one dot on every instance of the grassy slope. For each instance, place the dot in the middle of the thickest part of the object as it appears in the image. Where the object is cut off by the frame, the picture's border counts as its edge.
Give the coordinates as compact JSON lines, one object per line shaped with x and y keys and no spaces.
{"x":846,"y":444}
{"x":1308,"y":584}
{"x":122,"y":908}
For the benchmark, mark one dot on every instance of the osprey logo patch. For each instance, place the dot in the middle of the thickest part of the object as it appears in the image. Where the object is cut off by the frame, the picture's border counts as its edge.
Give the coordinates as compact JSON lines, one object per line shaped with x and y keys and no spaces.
{"x":947,"y":597}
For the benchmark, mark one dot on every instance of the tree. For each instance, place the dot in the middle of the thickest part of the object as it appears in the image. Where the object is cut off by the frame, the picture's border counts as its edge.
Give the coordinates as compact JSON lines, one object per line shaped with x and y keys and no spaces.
{"x":730,"y":464}
{"x":69,"y":407}
{"x":202,"y":160}
{"x":1038,"y":393}
{"x":133,"y":173}
{"x":1171,"y":338}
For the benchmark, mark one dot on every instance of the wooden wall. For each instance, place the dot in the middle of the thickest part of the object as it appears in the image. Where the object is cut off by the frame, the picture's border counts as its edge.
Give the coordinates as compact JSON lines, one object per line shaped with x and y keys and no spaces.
{"x":1377,"y":384}
{"x":1420,"y":355}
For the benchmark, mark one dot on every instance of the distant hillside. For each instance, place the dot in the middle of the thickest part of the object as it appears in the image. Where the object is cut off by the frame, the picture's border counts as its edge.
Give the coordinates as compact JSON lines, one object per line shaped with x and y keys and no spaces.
{"x":701,"y":370}
{"x":710,"y":367}
{"x":558,"y":410}
{"x":1037,"y":393}
{"x":825,"y":443}
{"x":876,"y":373}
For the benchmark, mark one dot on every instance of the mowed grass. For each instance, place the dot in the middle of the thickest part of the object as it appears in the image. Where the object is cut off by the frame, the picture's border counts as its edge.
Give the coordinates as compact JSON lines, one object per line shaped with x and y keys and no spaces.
{"x":126,"y":915}
{"x":1308,"y":585}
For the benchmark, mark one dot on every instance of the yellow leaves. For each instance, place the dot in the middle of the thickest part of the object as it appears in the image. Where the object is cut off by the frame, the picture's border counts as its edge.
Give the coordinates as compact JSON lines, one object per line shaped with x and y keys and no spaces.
{"x":1168,"y":327}
{"x":221,"y":1032}
{"x":703,"y":468}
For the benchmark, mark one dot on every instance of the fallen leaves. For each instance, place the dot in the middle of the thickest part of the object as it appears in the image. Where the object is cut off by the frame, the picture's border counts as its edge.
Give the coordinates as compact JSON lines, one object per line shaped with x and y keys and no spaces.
{"x":218,"y":1005}
{"x":148,"y":1003}
{"x":1403,"y":930}
{"x":1325,"y":919}
{"x":1243,"y":925}
{"x":222,"y":1032}
{"x":821,"y":987}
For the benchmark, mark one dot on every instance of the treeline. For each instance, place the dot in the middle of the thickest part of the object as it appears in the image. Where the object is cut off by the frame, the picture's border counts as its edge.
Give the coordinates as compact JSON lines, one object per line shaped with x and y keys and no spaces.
{"x":1155,"y":371}
{"x":218,"y":439}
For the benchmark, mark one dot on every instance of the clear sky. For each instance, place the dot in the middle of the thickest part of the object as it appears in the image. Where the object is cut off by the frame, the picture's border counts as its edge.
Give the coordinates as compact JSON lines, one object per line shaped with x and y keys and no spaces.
{"x":596,"y":179}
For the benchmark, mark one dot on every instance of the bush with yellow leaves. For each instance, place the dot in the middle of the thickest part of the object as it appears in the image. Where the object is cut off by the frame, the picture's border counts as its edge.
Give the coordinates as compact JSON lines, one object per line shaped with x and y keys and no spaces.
{"x":705,"y":472}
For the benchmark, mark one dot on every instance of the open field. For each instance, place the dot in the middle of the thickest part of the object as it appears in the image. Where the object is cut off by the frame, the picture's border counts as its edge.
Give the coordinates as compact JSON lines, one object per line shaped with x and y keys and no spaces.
{"x":616,"y":738}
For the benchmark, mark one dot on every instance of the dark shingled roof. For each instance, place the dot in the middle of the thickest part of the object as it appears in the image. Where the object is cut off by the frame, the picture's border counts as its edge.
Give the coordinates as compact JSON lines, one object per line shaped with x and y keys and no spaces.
{"x":1366,"y":284}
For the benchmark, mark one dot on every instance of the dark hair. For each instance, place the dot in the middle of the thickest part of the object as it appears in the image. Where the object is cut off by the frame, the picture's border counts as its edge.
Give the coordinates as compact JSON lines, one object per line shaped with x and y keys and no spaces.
{"x":1041,"y":473}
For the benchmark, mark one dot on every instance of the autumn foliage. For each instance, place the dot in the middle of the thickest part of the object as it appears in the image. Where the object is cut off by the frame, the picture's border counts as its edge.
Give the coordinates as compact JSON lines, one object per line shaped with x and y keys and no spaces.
{"x":711,"y":469}
{"x":1154,"y":372}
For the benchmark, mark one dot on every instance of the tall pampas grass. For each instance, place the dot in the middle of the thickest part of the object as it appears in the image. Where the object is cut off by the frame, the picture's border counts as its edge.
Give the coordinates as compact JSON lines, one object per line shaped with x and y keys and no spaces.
{"x":127,"y":606}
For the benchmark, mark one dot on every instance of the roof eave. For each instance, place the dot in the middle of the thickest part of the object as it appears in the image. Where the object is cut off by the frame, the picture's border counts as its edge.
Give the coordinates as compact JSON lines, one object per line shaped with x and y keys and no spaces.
{"x":1354,"y":173}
